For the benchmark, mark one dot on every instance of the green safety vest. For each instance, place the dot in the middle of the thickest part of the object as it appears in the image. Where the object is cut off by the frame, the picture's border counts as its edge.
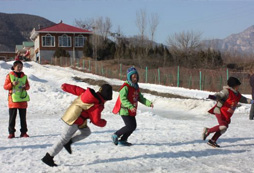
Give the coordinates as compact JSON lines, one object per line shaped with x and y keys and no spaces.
{"x":18,"y":93}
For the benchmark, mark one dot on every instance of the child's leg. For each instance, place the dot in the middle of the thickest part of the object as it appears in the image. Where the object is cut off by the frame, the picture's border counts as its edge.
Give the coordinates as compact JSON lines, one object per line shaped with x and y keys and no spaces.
{"x":12,"y":120}
{"x":64,"y":139}
{"x":81,"y":134}
{"x":219,"y":129}
{"x":130,"y":126}
{"x":251,"y":116}
{"x":22,"y":115}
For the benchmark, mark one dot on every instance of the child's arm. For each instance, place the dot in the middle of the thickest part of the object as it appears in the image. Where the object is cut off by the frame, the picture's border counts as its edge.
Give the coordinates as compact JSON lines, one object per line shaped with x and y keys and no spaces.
{"x":245,"y":100}
{"x":27,"y":86}
{"x":96,"y":116}
{"x":73,"y":89}
{"x":7,"y":84}
{"x":222,"y":95}
{"x":144,"y":101}
{"x":124,"y":98}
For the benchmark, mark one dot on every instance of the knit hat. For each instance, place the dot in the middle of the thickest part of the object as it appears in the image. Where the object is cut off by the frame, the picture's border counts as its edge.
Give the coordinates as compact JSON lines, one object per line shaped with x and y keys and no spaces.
{"x":233,"y":82}
{"x":130,"y":72}
{"x":16,"y":63}
{"x":106,"y":91}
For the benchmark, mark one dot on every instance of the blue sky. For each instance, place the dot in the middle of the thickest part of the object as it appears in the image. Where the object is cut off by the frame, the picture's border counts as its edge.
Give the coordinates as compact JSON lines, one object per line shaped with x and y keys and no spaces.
{"x":214,"y":18}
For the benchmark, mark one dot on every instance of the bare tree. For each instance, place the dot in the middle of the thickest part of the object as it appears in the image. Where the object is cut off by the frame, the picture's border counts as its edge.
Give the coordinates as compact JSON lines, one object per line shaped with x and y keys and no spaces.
{"x":85,"y":24}
{"x":103,"y":26}
{"x":141,"y":22}
{"x":184,"y":42}
{"x":153,"y":24}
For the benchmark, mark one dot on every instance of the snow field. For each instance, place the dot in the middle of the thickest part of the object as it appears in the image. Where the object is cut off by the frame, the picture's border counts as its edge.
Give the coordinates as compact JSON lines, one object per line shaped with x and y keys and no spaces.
{"x":167,"y":138}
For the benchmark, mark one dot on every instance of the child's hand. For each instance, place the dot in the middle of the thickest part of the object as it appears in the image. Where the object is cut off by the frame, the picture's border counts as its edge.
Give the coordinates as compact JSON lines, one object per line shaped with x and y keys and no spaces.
{"x":15,"y":83}
{"x":212,"y":97}
{"x":133,"y":109}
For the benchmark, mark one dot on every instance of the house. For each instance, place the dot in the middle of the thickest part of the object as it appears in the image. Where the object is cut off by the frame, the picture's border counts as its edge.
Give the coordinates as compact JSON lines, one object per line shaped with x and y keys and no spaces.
{"x":48,"y":40}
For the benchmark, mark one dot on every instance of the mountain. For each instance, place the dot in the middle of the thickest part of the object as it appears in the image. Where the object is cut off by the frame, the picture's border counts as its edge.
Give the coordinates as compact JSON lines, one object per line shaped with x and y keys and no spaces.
{"x":242,"y":43}
{"x":16,"y":28}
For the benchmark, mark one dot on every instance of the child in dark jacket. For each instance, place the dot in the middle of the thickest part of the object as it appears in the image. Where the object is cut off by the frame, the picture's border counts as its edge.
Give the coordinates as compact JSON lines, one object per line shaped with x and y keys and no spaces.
{"x":227,"y":100}
{"x":17,"y":84}
{"x":88,"y":105}
{"x":126,"y":105}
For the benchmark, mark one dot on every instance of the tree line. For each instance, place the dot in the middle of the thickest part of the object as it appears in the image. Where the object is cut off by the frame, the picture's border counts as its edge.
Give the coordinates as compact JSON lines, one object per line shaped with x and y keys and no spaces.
{"x":183,"y":48}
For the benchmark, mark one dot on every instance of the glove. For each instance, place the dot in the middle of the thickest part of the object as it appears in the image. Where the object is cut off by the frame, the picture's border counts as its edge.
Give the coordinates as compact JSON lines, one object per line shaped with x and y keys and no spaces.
{"x":252,"y":102}
{"x":212,"y":97}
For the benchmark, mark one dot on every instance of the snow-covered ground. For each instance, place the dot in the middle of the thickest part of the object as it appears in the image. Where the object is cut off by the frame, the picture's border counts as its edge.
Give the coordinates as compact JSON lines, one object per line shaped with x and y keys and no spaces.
{"x":167,"y":139}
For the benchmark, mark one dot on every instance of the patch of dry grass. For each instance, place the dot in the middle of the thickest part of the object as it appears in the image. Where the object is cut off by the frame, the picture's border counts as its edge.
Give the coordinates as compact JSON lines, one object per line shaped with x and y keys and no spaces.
{"x":117,"y":87}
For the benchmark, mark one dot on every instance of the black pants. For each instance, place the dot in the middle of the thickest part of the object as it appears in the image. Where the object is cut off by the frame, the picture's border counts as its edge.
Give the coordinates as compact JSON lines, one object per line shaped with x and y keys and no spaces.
{"x":12,"y":120}
{"x":130,"y":126}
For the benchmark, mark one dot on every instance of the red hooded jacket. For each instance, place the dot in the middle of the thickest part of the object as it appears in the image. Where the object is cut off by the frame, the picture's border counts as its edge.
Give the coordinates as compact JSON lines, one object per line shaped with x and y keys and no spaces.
{"x":88,"y":96}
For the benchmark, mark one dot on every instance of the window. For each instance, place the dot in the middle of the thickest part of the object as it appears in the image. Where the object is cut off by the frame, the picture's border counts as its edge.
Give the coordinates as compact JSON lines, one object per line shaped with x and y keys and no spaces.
{"x":48,"y":41}
{"x":64,"y":41}
{"x":80,"y":41}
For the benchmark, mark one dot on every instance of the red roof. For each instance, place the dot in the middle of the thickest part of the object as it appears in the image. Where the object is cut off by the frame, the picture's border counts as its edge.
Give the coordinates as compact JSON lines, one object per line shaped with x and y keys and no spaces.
{"x":62,"y":27}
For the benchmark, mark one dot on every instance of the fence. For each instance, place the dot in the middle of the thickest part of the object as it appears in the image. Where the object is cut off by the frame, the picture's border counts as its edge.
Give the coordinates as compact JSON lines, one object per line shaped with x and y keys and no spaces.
{"x":201,"y":79}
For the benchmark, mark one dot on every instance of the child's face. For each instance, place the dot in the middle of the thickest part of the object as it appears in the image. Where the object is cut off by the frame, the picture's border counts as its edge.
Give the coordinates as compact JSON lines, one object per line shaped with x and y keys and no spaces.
{"x":237,"y":87}
{"x":18,"y":68}
{"x":134,"y":78}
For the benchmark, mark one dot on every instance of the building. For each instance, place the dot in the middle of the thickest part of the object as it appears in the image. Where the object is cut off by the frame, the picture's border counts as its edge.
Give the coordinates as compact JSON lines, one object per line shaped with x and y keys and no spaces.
{"x":48,"y":40}
{"x":7,"y":56}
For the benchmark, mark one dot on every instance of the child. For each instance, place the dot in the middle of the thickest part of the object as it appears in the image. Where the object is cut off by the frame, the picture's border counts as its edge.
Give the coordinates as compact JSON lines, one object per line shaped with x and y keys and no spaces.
{"x":126,"y":105}
{"x":88,"y":105}
{"x":227,"y":101}
{"x":17,"y":84}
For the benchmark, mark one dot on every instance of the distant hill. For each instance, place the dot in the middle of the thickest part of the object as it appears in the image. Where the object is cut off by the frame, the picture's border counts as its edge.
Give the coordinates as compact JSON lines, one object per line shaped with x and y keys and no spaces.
{"x":242,"y":43}
{"x":16,"y":28}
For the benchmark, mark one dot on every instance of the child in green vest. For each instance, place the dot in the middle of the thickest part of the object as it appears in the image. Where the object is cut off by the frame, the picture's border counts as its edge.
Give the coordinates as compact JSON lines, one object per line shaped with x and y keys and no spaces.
{"x":126,"y":105}
{"x":17,"y":84}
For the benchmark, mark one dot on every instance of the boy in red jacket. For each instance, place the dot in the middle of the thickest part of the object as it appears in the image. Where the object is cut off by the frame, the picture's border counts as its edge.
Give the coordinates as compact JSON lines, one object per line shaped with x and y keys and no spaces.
{"x":227,"y":100}
{"x":88,"y":105}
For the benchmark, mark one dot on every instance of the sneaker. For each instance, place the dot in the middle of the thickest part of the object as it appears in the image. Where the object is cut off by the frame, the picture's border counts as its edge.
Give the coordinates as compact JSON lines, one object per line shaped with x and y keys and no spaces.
{"x":24,"y":135}
{"x":11,"y":136}
{"x":68,"y":147}
{"x":47,"y":159}
{"x":114,"y":138}
{"x":213,"y":144}
{"x":124,"y":143}
{"x":205,"y":133}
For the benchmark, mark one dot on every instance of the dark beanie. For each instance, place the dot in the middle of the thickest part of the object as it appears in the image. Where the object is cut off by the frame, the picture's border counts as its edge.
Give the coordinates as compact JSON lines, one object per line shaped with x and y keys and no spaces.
{"x":106,"y":91}
{"x":232,"y":82}
{"x":16,"y":63}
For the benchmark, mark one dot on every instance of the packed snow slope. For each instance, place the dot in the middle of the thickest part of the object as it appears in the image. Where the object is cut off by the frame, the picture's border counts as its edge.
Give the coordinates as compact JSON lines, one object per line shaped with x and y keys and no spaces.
{"x":167,"y":138}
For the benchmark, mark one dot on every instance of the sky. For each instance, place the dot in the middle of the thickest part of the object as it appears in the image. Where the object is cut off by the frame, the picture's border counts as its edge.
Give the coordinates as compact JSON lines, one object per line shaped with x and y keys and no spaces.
{"x":215,"y":19}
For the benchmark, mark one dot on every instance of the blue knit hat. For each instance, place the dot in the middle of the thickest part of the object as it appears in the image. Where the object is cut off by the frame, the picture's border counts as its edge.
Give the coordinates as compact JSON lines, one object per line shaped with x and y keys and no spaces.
{"x":131,"y":71}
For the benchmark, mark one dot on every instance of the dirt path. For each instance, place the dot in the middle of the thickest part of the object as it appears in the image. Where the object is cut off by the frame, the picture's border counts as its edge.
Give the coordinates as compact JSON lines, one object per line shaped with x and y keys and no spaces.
{"x":116,"y":88}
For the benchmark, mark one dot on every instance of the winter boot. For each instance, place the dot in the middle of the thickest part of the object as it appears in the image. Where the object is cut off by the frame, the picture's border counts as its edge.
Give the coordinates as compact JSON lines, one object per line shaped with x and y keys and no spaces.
{"x":124,"y":143}
{"x":205,"y":133}
{"x":68,"y":147}
{"x":47,"y":159}
{"x":213,"y":144}
{"x":114,"y":138}
{"x":11,"y":136}
{"x":24,"y":135}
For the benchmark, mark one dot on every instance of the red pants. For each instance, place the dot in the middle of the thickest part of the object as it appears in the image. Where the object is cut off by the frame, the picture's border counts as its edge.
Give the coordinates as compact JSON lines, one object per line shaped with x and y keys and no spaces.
{"x":216,"y":129}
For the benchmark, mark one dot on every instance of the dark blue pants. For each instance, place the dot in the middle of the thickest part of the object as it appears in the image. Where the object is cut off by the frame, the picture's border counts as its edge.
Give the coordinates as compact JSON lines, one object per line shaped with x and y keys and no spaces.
{"x":12,"y":120}
{"x":130,"y":126}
